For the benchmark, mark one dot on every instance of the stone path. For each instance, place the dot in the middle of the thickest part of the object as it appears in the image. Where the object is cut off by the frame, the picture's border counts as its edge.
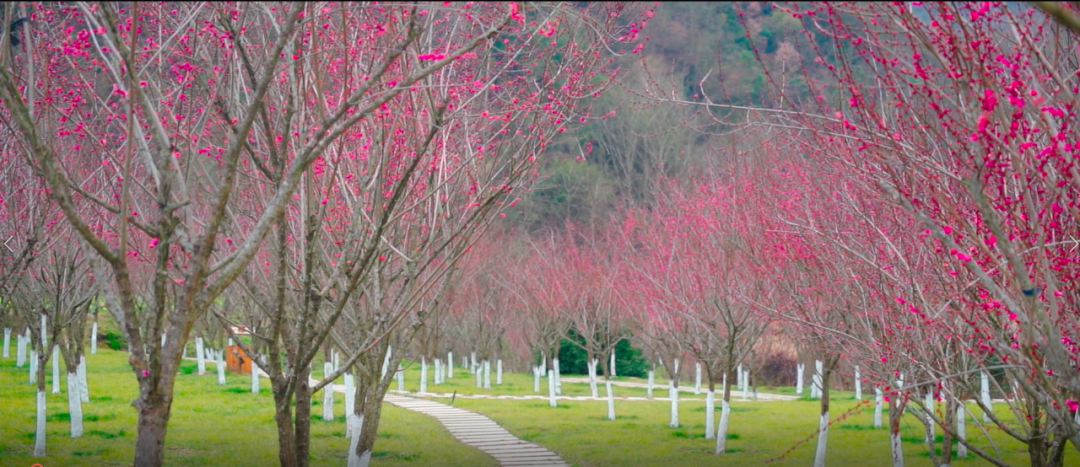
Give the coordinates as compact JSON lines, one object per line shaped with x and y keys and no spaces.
{"x":482,"y":433}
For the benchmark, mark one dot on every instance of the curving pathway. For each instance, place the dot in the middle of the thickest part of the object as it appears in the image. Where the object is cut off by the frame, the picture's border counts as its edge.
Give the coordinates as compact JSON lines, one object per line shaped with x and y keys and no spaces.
{"x":482,"y":433}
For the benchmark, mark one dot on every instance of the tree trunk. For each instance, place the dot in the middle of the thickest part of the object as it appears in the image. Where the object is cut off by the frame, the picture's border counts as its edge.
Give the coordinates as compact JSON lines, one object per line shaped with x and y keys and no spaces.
{"x":74,"y":402}
{"x":710,"y":406}
{"x":823,"y":423}
{"x":895,"y":411}
{"x":284,"y":421}
{"x":725,"y":415}
{"x":610,"y":393}
{"x":673,"y":393}
{"x":877,"y":407}
{"x":154,"y":411}
{"x":302,"y":423}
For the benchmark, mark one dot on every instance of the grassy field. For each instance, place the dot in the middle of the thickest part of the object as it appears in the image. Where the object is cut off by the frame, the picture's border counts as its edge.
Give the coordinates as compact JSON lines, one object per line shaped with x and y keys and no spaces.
{"x":211,"y":425}
{"x":580,"y":432}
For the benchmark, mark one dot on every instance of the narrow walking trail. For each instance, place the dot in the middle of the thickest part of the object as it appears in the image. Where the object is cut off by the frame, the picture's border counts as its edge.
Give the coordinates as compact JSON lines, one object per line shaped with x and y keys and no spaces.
{"x":482,"y":433}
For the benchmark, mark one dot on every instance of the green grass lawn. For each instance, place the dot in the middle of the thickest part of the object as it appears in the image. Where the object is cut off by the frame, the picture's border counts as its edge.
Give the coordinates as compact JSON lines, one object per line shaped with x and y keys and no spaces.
{"x":580,"y":432}
{"x":210,"y":425}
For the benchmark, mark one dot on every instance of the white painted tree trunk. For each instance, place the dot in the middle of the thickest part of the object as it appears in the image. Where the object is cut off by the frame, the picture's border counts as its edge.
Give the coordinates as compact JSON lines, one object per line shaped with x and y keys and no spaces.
{"x":610,"y":400}
{"x":613,"y":374}
{"x":200,"y":355}
{"x":423,"y":375}
{"x":816,"y":387}
{"x":487,"y":374}
{"x":799,"y":369}
{"x":673,"y":393}
{"x":93,"y":339}
{"x":7,"y":342}
{"x":39,"y":434}
{"x":543,"y":363}
{"x":591,"y":365}
{"x":44,"y":334}
{"x":558,"y":377}
{"x":710,"y":411}
{"x":221,"y":368}
{"x":355,"y":426}
{"x":984,"y":393}
{"x":929,"y":420}
{"x":897,"y":448}
{"x":536,"y":379}
{"x":438,"y":371}
{"x":56,"y":369}
{"x":254,"y":377}
{"x":961,"y":430}
{"x":163,"y":335}
{"x":335,"y":359}
{"x":722,"y":428}
{"x":84,"y":388}
{"x":697,"y":379}
{"x":858,"y":384}
{"x":74,"y":404}
{"x":498,"y":371}
{"x":400,"y":378}
{"x":20,"y":351}
{"x":479,"y":378}
{"x":822,"y":440}
{"x":386,"y":361}
{"x":551,"y":388}
{"x":472,"y":366}
{"x":450,"y":365}
{"x":746,"y":385}
{"x":350,"y":403}
{"x":328,"y":393}
{"x":652,"y":383}
{"x":739,"y":377}
{"x":33,"y":366}
{"x":877,"y":407}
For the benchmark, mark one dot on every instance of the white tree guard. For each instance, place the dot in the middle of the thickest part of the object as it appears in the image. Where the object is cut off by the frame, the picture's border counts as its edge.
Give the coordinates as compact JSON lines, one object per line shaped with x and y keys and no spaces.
{"x":897,"y":449}
{"x":44,"y":334}
{"x":39,"y":434}
{"x":929,"y":410}
{"x":20,"y":351}
{"x":479,"y":378}
{"x":74,"y":405}
{"x":652,"y":383}
{"x":961,"y":430}
{"x":613,"y":374}
{"x":7,"y":342}
{"x":93,"y":338}
{"x":822,"y":440}
{"x":984,"y":393}
{"x":877,"y":407}
{"x":551,"y":388}
{"x":56,"y":369}
{"x":423,"y":375}
{"x":710,"y":412}
{"x":487,"y":374}
{"x":722,"y":428}
{"x":400,"y":378}
{"x":536,"y":378}
{"x":472,"y":365}
{"x":450,"y":365}
{"x":498,"y":371}
{"x":84,"y":388}
{"x":254,"y":377}
{"x":336,"y":359}
{"x":799,"y":369}
{"x":328,"y":393}
{"x":591,"y":366}
{"x":739,"y":377}
{"x":350,"y":402}
{"x":858,"y":384}
{"x":673,"y":393}
{"x":386,"y":360}
{"x":354,"y":425}
{"x":220,"y":368}
{"x":33,"y":366}
{"x":543,"y":363}
{"x":558,"y":377}
{"x":610,"y":400}
{"x":200,"y":355}
{"x":746,"y":385}
{"x":697,"y":379}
